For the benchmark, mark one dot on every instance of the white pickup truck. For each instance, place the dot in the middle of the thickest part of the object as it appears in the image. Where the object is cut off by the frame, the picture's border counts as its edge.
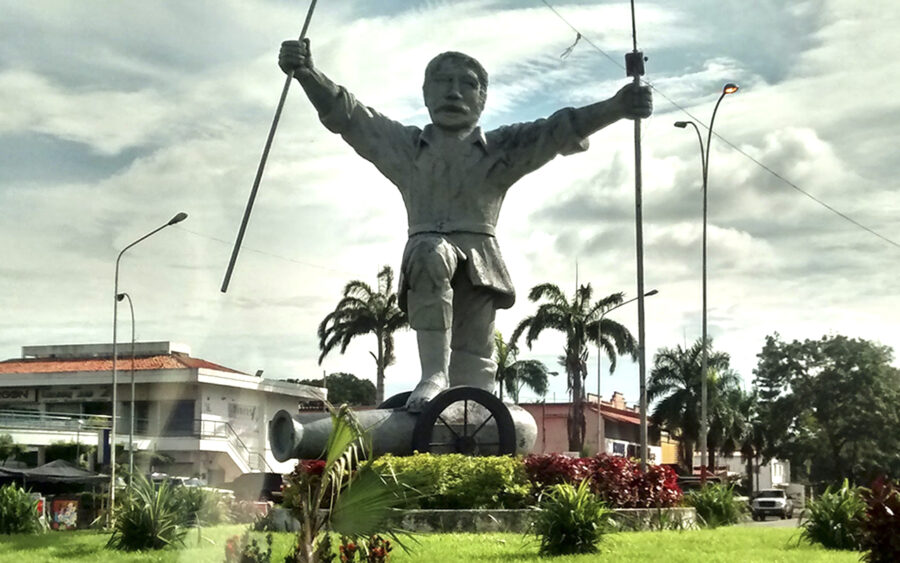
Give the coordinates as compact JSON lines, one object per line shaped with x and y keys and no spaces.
{"x":771,"y":501}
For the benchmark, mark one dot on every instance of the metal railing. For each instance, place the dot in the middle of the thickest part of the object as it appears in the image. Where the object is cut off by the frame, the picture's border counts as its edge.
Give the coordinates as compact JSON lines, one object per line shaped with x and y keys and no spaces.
{"x":69,"y":422}
{"x":59,"y":421}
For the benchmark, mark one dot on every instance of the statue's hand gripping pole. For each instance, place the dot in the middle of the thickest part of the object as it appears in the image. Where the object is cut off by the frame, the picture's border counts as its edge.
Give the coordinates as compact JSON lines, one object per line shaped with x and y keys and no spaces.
{"x":262,"y":161}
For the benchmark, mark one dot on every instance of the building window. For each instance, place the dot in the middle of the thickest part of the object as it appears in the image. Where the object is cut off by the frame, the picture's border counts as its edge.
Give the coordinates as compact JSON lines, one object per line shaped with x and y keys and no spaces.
{"x":178,"y":417}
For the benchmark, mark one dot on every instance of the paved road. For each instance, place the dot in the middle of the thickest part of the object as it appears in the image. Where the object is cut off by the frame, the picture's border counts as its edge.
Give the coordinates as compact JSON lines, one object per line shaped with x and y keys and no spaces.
{"x":773,"y":522}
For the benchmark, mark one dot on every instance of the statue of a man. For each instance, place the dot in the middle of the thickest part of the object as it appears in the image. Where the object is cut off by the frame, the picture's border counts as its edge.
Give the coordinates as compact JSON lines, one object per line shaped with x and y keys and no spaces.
{"x":453,"y":178}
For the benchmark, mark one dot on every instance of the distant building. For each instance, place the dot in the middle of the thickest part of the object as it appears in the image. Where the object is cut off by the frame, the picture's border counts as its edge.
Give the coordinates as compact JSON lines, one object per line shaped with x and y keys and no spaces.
{"x":210,"y":421}
{"x":622,"y":429}
{"x":775,"y":474}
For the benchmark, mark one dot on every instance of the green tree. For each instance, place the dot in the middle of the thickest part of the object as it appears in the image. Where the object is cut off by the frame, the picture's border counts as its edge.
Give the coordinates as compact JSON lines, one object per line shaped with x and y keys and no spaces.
{"x":513,"y":374}
{"x":361,"y":311}
{"x":346,"y":388}
{"x":9,"y":449}
{"x":831,"y":407}
{"x":675,"y":381}
{"x":580,"y":321}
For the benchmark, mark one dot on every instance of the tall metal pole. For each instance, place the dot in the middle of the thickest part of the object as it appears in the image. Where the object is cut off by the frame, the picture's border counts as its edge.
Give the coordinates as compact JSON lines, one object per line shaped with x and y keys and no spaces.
{"x":634,"y":67}
{"x":110,"y":516}
{"x":600,"y":422}
{"x":131,"y":411}
{"x":704,"y":353}
{"x":262,"y":161}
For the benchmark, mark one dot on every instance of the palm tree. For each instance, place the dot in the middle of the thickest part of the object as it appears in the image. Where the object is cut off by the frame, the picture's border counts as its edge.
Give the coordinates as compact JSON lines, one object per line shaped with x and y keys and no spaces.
{"x":676,"y":380}
{"x":748,"y":434}
{"x":727,"y":423}
{"x":364,"y":311}
{"x":580,"y":321}
{"x":513,"y":374}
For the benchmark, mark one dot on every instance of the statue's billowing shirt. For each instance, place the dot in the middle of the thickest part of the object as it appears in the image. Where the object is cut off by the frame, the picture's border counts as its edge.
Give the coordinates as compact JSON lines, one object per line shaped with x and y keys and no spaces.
{"x":457,"y":192}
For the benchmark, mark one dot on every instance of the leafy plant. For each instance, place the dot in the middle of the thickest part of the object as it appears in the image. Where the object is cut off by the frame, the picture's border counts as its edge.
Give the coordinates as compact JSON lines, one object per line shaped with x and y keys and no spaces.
{"x":357,"y":496}
{"x":459,"y":481}
{"x":9,"y":448}
{"x":570,"y":520}
{"x":243,"y":549}
{"x":618,"y":481}
{"x":150,"y":517}
{"x":18,"y":511}
{"x":376,"y":550}
{"x":715,"y":505}
{"x":835,"y":519}
{"x":544,"y":470}
{"x":881,"y":528}
{"x":204,"y":507}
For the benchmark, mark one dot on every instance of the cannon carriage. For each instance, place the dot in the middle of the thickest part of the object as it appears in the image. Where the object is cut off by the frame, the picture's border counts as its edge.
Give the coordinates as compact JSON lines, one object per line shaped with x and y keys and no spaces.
{"x":463,"y":419}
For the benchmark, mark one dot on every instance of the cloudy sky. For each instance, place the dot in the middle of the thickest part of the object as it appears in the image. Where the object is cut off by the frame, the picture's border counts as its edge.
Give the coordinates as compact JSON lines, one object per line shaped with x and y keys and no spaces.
{"x":114,"y":116}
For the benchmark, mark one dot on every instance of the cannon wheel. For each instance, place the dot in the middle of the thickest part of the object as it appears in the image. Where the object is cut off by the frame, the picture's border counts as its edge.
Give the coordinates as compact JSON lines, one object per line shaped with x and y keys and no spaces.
{"x":395,"y":401}
{"x":465,"y":439}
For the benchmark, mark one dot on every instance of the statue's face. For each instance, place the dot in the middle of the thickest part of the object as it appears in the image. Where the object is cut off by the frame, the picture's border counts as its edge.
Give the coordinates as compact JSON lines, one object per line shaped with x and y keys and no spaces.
{"x":453,"y":96}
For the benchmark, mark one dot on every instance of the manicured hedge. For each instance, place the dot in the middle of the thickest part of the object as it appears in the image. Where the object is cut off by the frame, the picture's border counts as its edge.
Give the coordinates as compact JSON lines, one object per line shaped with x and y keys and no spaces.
{"x":455,"y":481}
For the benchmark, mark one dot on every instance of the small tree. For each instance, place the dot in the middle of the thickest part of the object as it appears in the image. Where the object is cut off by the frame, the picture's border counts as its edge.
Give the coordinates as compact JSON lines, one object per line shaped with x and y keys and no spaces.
{"x":357,"y":497}
{"x":346,"y":388}
{"x":9,"y":449}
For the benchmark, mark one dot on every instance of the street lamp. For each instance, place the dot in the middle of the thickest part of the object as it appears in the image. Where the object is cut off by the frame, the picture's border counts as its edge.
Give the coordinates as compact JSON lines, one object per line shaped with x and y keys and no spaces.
{"x":600,"y":429}
{"x":119,"y":297}
{"x":729,"y":88}
{"x":115,"y":353}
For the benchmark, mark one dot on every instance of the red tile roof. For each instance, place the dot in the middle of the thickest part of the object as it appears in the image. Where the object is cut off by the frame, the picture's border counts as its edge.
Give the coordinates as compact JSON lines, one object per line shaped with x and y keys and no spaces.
{"x":63,"y":365}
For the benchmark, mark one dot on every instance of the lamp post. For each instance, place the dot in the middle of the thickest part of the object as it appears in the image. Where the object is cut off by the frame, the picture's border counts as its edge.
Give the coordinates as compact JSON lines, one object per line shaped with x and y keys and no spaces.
{"x":115,"y":353}
{"x":729,"y":88}
{"x":600,"y":428}
{"x":131,"y":414}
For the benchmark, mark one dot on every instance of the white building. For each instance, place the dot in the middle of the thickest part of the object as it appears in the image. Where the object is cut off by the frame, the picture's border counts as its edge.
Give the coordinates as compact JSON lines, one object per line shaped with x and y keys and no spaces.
{"x":776,"y":474}
{"x":210,"y":420}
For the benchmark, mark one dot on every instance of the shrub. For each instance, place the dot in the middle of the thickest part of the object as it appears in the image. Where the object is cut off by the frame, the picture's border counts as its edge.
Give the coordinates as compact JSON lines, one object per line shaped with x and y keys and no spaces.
{"x":459,"y":482}
{"x":570,"y":520}
{"x":881,"y":528}
{"x":148,"y":518}
{"x":203,"y":507}
{"x":544,"y":470}
{"x":376,"y":550}
{"x":716,"y":505}
{"x":618,"y":481}
{"x":18,"y":511}
{"x":835,"y":519}
{"x":242,"y":549}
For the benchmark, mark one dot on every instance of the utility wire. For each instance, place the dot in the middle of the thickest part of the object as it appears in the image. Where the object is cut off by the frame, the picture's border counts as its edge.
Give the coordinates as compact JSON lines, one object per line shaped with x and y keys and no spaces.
{"x":721,"y":138}
{"x":269,"y":254}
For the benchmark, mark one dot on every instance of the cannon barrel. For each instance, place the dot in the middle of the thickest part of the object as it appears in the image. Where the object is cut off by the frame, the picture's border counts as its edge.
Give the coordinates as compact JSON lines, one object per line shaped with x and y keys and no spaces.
{"x":304,"y":436}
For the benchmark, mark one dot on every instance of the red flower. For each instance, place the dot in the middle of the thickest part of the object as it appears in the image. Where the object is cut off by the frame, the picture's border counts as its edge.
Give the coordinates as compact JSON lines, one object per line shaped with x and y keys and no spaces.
{"x":312,"y":466}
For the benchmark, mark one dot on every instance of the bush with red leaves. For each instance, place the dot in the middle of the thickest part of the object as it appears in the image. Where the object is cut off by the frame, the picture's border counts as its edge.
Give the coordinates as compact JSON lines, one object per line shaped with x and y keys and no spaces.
{"x":881,"y":527}
{"x":618,"y":481}
{"x":544,"y":470}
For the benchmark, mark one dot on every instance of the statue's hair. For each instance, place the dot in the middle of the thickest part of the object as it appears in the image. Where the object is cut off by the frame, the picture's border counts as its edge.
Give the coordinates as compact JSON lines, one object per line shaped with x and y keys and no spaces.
{"x":466,"y":60}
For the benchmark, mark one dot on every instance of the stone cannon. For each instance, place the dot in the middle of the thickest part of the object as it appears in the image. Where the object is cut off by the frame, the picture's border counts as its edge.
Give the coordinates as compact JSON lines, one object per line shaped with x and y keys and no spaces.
{"x":462,"y":419}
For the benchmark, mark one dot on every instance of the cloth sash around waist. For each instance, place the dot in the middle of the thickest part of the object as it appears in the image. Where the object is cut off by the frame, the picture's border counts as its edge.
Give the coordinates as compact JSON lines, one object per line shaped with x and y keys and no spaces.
{"x":452,"y":227}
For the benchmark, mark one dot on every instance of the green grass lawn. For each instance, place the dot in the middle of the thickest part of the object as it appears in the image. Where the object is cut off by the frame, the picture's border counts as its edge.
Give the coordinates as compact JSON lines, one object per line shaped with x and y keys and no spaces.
{"x":731,"y":544}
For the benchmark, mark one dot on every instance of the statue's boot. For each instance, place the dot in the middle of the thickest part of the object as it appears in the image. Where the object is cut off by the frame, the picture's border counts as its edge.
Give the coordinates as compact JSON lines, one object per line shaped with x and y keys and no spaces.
{"x":472,"y":370}
{"x":434,"y":356}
